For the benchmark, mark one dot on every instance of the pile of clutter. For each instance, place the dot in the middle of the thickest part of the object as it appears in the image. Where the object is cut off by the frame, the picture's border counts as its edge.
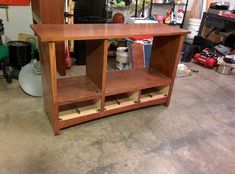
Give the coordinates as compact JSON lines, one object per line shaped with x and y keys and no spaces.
{"x":220,"y":56}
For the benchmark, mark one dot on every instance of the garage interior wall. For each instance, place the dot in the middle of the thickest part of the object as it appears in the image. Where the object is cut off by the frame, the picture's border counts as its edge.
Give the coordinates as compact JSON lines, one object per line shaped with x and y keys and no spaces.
{"x":20,"y":17}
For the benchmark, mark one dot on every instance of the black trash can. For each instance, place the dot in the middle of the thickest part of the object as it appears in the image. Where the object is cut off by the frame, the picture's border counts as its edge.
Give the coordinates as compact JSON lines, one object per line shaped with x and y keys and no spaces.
{"x":19,"y":53}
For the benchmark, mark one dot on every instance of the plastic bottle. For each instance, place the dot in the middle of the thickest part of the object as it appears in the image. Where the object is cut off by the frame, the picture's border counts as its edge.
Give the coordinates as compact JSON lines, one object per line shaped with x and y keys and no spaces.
{"x":180,"y":16}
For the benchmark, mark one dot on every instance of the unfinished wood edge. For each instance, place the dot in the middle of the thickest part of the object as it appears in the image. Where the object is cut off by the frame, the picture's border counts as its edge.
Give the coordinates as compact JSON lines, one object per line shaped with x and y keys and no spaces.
{"x":116,"y":105}
{"x":98,"y":104}
{"x":164,"y":90}
{"x":76,"y":115}
{"x":134,"y":96}
{"x":81,"y":111}
{"x":161,"y":92}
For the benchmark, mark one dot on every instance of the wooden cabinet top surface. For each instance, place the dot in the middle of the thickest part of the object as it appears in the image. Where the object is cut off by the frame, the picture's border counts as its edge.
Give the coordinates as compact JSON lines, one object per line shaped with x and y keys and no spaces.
{"x":60,"y":32}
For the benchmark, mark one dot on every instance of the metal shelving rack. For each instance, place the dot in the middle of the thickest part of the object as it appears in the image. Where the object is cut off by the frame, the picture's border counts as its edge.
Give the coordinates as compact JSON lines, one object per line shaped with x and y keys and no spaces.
{"x":172,"y":4}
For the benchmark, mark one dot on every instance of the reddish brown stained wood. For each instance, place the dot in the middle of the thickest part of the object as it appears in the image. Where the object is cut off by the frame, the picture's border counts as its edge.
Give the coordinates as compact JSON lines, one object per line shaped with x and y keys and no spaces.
{"x":134,"y":80}
{"x":60,"y":58}
{"x":35,"y":4}
{"x":165,"y":56}
{"x":164,"y":59}
{"x":48,"y":69}
{"x":102,"y":31}
{"x":137,"y":55}
{"x":96,"y":60}
{"x":75,"y":89}
{"x":49,"y":12}
{"x":75,"y":121}
{"x":52,"y":12}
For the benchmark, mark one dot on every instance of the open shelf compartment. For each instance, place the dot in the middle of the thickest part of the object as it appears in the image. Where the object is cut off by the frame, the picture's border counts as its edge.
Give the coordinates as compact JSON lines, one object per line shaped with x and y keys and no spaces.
{"x":155,"y":93}
{"x":76,"y":89}
{"x":80,"y":109}
{"x":134,"y":80}
{"x":121,"y":100}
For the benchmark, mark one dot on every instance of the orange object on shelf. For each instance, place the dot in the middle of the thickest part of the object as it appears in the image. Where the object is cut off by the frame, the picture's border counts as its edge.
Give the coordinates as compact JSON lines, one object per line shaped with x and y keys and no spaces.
{"x":15,"y":2}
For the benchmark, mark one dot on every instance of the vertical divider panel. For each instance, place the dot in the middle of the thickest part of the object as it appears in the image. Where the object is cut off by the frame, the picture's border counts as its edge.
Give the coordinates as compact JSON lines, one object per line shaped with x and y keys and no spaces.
{"x":96,"y":65}
{"x":135,"y":96}
{"x":165,"y":57}
{"x":49,"y":82}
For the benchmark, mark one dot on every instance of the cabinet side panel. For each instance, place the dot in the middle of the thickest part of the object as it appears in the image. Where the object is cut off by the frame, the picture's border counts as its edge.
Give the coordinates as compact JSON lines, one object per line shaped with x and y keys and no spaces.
{"x":96,"y":61}
{"x":49,"y":82}
{"x":35,"y":4}
{"x":52,"y":12}
{"x":60,"y":58}
{"x":165,"y":54}
{"x":165,"y":57}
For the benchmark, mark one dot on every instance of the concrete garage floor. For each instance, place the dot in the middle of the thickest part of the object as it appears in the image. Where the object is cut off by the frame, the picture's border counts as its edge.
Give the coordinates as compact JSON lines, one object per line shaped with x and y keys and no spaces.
{"x":194,"y":135}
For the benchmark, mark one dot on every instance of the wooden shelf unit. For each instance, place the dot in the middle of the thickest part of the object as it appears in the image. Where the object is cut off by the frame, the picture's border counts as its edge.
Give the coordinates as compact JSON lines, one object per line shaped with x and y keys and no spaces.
{"x":70,"y":101}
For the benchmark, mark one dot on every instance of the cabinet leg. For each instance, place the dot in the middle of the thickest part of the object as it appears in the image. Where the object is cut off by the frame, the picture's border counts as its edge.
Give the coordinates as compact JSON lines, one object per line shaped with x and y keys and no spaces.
{"x":49,"y":82}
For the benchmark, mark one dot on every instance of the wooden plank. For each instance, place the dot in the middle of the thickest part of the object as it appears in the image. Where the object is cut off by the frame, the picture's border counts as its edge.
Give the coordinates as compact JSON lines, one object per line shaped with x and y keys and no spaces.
{"x":75,"y":89}
{"x":96,"y":61}
{"x":79,"y":112}
{"x":35,"y":4}
{"x":51,"y":12}
{"x":49,"y":82}
{"x":153,"y":94}
{"x":60,"y":32}
{"x":60,"y":58}
{"x":134,"y":80}
{"x":137,"y":55}
{"x":121,"y":100}
{"x":165,"y":56}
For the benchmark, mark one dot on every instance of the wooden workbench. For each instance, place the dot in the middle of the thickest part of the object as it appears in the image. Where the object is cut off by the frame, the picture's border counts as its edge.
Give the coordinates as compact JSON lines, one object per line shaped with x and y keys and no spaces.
{"x":70,"y":101}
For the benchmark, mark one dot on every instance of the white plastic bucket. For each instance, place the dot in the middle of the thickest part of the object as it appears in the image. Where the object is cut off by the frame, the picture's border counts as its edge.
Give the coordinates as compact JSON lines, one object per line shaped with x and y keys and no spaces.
{"x":194,"y":25}
{"x":122,"y":58}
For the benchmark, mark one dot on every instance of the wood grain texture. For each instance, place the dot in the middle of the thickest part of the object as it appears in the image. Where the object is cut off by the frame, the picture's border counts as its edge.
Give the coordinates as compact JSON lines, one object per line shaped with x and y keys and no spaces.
{"x":75,"y":89}
{"x":96,"y":61}
{"x":166,"y":49}
{"x":60,"y":58}
{"x":134,"y":80}
{"x":52,"y":12}
{"x":35,"y":4}
{"x":49,"y":82}
{"x":137,"y":56}
{"x":102,"y":31}
{"x":75,"y":121}
{"x":165,"y":56}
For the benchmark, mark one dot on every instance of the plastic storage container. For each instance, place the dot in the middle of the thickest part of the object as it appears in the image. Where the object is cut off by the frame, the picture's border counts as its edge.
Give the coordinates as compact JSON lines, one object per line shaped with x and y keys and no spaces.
{"x":122,"y":58}
{"x":194,"y":25}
